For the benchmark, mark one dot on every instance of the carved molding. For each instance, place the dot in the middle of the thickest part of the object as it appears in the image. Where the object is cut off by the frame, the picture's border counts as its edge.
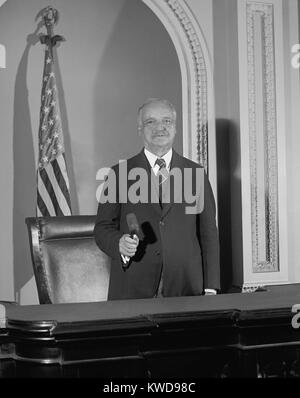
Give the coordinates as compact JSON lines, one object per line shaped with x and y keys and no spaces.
{"x":199,"y":80}
{"x":270,"y":262}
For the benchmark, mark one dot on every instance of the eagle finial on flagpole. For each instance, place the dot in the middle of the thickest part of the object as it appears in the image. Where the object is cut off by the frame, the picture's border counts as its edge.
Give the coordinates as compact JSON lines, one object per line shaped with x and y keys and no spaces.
{"x":50,"y":18}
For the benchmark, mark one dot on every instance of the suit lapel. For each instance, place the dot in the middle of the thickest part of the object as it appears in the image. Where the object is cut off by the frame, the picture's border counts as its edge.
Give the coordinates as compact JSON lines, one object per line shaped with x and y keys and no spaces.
{"x":175,"y":163}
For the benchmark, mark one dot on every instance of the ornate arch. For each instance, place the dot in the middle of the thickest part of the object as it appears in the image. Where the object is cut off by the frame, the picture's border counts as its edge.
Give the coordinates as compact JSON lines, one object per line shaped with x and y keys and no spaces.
{"x":197,"y":81}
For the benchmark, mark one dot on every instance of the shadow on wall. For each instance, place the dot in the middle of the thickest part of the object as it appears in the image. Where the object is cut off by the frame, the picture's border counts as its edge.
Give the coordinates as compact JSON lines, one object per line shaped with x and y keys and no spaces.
{"x":229,"y":200}
{"x":139,"y":62}
{"x":25,"y":168}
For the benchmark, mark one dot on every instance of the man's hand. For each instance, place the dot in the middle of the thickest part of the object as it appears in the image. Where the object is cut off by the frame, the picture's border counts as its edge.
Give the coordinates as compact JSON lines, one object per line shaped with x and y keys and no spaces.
{"x":210,"y":292}
{"x":128,"y":245}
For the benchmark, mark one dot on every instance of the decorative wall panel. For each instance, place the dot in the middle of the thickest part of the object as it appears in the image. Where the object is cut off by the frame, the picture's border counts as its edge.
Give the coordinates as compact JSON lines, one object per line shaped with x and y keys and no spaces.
{"x":263,"y":134}
{"x":262,"y":137}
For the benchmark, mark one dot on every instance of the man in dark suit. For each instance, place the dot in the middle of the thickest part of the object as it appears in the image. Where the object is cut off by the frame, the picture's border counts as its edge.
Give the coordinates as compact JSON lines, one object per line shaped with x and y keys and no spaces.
{"x":176,"y":251}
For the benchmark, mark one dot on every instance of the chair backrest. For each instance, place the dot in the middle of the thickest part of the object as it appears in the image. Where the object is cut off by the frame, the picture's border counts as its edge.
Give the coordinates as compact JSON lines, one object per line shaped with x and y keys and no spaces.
{"x":68,"y":265}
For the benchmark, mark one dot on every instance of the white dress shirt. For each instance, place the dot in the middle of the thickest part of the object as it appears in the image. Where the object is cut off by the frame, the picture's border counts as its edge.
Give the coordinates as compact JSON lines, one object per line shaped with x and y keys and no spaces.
{"x":152,"y":159}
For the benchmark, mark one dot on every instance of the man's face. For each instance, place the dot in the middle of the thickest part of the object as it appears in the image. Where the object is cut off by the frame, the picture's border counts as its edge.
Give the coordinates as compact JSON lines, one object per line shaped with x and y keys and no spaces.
{"x":158,"y":127}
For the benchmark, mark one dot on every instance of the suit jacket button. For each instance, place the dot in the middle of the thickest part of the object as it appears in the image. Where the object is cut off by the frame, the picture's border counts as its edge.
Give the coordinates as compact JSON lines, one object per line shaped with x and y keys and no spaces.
{"x":161,"y":223}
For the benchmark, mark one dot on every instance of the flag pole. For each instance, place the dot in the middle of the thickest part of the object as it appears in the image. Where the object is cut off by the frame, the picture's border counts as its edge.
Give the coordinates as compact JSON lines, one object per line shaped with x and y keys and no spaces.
{"x":53,"y":189}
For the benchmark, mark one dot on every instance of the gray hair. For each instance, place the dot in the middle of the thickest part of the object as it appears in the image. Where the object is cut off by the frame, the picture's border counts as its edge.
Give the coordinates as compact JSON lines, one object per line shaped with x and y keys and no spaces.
{"x":150,"y":101}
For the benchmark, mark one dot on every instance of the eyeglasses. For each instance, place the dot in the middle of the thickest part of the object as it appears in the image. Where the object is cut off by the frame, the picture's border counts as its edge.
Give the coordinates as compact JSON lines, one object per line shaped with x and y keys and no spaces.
{"x":152,"y":123}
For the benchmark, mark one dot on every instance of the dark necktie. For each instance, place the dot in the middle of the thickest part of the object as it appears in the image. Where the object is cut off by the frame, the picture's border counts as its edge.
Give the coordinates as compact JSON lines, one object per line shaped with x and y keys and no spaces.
{"x":162,"y":175}
{"x":161,"y":163}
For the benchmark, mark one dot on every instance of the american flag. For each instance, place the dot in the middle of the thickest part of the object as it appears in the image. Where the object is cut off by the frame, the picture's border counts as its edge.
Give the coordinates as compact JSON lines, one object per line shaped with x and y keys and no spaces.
{"x":53,"y":190}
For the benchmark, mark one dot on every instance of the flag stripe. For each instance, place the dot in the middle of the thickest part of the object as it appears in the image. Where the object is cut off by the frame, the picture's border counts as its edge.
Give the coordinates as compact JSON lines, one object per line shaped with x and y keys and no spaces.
{"x":61,"y":180}
{"x":42,"y":191}
{"x":63,"y":168}
{"x":57,"y":190}
{"x":50,"y":190}
{"x":42,"y":208}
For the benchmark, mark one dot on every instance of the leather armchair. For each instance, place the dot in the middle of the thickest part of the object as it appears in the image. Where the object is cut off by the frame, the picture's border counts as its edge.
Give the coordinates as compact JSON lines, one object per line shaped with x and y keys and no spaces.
{"x":68,"y":265}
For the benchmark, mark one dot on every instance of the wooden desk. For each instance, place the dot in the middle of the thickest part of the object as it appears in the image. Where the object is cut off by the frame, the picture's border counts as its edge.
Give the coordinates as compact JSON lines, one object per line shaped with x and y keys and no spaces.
{"x":228,"y":335}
